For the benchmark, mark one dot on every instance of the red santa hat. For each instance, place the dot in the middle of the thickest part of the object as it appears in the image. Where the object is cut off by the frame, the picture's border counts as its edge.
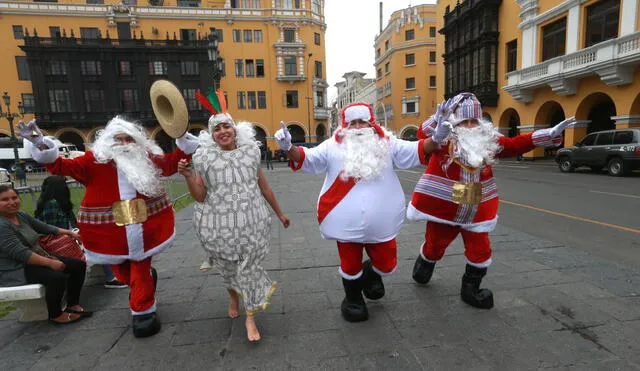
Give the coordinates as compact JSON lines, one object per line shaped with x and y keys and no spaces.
{"x":358,"y":111}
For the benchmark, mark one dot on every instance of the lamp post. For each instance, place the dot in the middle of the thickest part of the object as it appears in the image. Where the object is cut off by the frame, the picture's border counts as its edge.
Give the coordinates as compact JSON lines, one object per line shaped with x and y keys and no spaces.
{"x":10,"y":116}
{"x":309,"y":97}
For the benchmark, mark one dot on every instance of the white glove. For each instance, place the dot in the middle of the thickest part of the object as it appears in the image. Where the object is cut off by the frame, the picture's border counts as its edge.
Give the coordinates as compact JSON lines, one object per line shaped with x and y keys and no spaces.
{"x":443,"y":111}
{"x":442,"y":132}
{"x":188,"y":143}
{"x":558,"y":129}
{"x":283,"y":137}
{"x":31,"y":132}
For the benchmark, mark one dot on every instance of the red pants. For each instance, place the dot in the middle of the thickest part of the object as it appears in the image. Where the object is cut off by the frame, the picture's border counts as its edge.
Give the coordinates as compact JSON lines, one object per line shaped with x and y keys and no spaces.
{"x":383,"y":257}
{"x":137,"y":275}
{"x":477,"y":248}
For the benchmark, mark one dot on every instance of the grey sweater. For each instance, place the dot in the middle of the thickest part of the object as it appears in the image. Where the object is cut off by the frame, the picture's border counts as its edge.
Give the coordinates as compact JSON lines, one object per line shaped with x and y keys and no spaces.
{"x":14,"y":249}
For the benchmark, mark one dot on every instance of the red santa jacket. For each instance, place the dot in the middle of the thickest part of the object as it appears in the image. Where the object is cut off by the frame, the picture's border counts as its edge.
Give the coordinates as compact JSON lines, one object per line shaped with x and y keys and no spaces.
{"x":460,"y":195}
{"x":106,"y":242}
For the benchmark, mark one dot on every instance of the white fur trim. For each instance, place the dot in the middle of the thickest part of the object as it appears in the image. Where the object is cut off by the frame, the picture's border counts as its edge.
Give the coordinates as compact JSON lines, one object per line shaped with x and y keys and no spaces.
{"x":96,"y":258}
{"x":47,"y":156}
{"x":150,"y":310}
{"x":348,"y":276}
{"x":486,"y":226}
{"x":188,"y":143}
{"x":383,"y":274}
{"x":484,"y":264}
{"x":424,"y":257}
{"x":357,"y":113}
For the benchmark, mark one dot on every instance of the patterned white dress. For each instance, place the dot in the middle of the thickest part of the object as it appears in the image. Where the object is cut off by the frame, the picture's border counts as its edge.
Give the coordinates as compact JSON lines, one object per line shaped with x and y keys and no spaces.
{"x":233,"y":222}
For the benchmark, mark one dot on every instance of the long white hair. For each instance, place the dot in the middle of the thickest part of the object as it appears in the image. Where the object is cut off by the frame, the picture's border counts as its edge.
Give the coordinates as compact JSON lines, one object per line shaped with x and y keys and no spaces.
{"x":105,"y":139}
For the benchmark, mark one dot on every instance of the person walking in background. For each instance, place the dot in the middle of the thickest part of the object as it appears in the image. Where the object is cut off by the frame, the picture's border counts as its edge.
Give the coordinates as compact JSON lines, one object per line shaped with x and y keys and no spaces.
{"x":231,"y":218}
{"x":54,"y":207}
{"x":269,"y":157}
{"x":21,"y":175}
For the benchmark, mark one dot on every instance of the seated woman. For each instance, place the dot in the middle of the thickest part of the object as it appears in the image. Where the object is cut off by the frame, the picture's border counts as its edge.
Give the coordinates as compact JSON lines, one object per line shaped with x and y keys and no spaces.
{"x":23,"y":261}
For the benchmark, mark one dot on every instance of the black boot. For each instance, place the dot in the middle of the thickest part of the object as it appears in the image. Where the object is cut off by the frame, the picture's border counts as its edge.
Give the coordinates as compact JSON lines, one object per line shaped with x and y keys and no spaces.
{"x":471,"y":293}
{"x":372,"y":286}
{"x":353,"y":307}
{"x":145,"y":325}
{"x":423,"y":270}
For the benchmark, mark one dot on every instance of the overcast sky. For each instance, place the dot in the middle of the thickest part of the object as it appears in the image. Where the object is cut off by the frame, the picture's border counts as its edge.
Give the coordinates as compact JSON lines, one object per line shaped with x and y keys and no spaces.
{"x":352,"y":26}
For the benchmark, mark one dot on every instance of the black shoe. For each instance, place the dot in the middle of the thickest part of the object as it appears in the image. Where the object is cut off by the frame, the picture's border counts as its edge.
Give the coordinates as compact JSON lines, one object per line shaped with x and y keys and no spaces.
{"x":471,"y":293}
{"x":422,"y":270}
{"x":114,"y":284}
{"x":372,"y":285}
{"x":353,"y":306}
{"x":145,"y":325}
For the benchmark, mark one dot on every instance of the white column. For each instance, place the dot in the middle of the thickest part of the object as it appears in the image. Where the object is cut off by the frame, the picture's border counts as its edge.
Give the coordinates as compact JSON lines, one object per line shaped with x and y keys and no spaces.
{"x":529,"y":47}
{"x":629,"y":17}
{"x":573,"y":29}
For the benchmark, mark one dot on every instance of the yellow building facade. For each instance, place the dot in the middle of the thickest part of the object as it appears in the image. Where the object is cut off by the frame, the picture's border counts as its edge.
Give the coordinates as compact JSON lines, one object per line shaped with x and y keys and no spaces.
{"x":552,"y":60}
{"x":406,"y":70}
{"x":273,"y":53}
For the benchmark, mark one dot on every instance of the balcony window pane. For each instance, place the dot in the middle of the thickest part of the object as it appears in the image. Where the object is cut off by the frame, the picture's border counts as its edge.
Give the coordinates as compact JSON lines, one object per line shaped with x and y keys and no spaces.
{"x":290,"y":66}
{"x":59,"y":100}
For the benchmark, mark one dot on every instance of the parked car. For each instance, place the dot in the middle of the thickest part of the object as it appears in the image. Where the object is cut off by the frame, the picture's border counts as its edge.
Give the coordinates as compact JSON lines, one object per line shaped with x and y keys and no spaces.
{"x":616,"y":150}
{"x":5,"y":177}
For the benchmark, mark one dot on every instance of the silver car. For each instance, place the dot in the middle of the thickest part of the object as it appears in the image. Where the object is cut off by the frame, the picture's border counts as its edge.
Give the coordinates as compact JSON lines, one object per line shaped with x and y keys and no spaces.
{"x":616,"y":150}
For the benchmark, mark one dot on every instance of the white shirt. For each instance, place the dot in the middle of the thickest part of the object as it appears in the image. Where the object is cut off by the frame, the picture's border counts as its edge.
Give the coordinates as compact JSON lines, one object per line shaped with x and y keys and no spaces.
{"x":373,"y":210}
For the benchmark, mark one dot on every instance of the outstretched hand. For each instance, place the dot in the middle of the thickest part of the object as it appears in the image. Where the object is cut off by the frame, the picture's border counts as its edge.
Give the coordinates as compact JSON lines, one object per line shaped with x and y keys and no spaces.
{"x":31,"y":132}
{"x":559,"y":128}
{"x":284,"y":220}
{"x":283,"y":137}
{"x":444,"y":110}
{"x":442,"y":132}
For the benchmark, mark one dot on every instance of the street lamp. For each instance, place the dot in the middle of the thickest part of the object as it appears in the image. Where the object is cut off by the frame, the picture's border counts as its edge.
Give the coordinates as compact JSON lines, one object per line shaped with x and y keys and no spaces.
{"x":309,"y":97}
{"x":10,"y":116}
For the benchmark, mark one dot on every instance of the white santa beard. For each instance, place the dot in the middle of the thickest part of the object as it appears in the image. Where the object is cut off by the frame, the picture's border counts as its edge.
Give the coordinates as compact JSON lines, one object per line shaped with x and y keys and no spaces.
{"x":134,"y":161}
{"x":476,"y":146}
{"x":364,"y":153}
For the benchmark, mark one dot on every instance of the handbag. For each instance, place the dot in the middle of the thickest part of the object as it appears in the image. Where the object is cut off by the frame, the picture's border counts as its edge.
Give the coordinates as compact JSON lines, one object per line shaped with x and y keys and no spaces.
{"x":62,"y":245}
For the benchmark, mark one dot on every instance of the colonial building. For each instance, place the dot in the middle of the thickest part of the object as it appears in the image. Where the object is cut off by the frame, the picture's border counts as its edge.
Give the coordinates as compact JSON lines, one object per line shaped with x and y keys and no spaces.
{"x":74,"y":64}
{"x":406,"y":70}
{"x":355,"y":88}
{"x":554,"y":60}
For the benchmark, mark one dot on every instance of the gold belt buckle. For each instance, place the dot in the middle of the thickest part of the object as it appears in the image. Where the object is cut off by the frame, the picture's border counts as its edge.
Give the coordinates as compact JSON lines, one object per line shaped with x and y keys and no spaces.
{"x":129,"y":212}
{"x":467,"y":193}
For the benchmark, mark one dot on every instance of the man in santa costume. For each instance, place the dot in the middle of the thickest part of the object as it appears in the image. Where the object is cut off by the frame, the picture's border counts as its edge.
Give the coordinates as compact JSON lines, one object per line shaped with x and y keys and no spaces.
{"x":457,"y":193}
{"x":125,"y":216}
{"x":361,"y":204}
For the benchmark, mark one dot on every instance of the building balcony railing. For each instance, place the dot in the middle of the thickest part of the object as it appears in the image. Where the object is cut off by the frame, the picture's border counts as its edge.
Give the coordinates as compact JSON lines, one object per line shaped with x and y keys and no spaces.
{"x":613,"y":60}
{"x":34,"y":8}
{"x":56,"y":42}
{"x":321,"y":113}
{"x":291,"y":78}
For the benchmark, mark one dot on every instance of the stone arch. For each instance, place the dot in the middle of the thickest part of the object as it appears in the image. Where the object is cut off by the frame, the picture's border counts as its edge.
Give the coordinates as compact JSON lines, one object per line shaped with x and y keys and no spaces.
{"x":409,"y":132}
{"x":261,"y":136}
{"x":635,"y":106}
{"x":550,"y":113}
{"x":72,"y":136}
{"x":297,"y":131}
{"x":597,"y":108}
{"x":509,"y":122}
{"x":321,"y":133}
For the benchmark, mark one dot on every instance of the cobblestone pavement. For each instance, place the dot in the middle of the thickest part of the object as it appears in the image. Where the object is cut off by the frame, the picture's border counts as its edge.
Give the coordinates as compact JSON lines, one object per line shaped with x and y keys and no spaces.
{"x":556,"y":308}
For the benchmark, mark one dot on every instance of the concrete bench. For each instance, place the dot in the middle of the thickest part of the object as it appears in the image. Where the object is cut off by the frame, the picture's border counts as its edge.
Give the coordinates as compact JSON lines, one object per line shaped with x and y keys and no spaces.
{"x":29,"y":299}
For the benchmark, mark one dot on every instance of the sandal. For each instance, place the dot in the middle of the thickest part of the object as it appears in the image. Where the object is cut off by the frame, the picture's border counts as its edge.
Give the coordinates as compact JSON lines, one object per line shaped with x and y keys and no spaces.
{"x":82,"y":313}
{"x":65,"y":319}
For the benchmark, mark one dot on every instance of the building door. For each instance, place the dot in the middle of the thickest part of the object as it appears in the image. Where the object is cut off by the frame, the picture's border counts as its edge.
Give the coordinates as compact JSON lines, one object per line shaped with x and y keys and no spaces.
{"x":124,"y":30}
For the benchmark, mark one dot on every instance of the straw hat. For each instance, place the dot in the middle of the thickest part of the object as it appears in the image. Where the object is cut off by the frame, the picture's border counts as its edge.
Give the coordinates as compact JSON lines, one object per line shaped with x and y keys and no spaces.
{"x":170,"y":108}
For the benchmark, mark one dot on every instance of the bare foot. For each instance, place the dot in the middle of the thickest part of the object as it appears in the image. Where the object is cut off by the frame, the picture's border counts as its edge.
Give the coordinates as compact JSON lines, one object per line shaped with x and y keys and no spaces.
{"x":252,"y":331}
{"x":234,"y":304}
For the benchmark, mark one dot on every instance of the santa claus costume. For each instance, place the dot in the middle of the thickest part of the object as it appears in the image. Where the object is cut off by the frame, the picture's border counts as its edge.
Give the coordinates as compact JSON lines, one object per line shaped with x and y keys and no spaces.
{"x":125,"y":217}
{"x":361,"y":204}
{"x":457,"y":194}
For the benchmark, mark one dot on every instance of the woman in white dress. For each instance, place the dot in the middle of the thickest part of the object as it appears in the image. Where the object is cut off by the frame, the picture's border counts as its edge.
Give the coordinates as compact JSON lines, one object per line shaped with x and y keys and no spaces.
{"x":232,"y":220}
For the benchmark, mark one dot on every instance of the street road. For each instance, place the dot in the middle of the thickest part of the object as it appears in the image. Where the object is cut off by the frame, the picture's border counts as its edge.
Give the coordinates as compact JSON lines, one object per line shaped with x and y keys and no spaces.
{"x":596,"y":213}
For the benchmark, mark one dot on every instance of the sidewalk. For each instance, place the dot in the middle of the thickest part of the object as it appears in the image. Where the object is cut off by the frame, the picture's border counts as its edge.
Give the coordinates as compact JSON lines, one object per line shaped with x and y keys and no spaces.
{"x":556,"y":308}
